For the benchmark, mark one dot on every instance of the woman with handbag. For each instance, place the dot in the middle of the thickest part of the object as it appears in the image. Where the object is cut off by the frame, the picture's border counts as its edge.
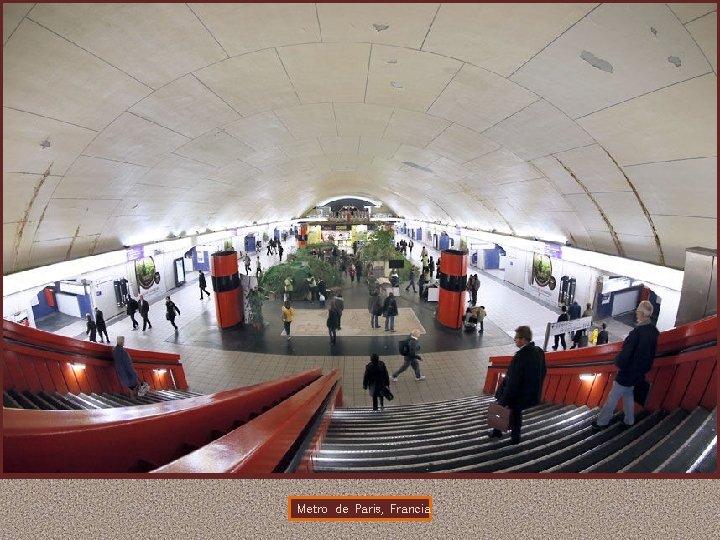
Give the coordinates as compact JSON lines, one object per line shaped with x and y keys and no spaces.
{"x":377,"y":380}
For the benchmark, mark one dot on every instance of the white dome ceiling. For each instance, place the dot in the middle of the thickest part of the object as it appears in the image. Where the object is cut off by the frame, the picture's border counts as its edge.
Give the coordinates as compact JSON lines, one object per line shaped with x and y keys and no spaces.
{"x":130,"y":122}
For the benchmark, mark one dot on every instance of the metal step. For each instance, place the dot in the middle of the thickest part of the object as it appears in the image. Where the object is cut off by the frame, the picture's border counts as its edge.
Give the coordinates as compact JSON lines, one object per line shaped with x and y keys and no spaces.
{"x":683,"y":459}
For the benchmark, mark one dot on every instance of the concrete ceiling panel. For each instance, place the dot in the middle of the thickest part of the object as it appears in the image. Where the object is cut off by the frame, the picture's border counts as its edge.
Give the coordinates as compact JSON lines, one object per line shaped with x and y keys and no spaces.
{"x":243,"y":28}
{"x":26,"y":195}
{"x":502,"y":167}
{"x":588,"y":211}
{"x":678,"y":233}
{"x":339,"y":145}
{"x":90,"y":178}
{"x":41,"y":143}
{"x":384,"y":148}
{"x":403,"y":25}
{"x":407,"y":79}
{"x":478,"y":99}
{"x":260,"y":131}
{"x":130,"y":38}
{"x":414,"y":128}
{"x":538,"y":130}
{"x":234,"y":172}
{"x":309,"y":121}
{"x":13,"y":14}
{"x":592,"y":166}
{"x":361,"y":119}
{"x":640,"y":248}
{"x":135,"y":140}
{"x":327,"y":72}
{"x":704,"y":32}
{"x":177,"y":171}
{"x":616,"y":53}
{"x":691,"y":11}
{"x":185,"y":106}
{"x":462,"y":144}
{"x":66,"y":218}
{"x":216,"y":148}
{"x":251,"y":83}
{"x":677,"y":122}
{"x":48,"y":76}
{"x":624,"y":213}
{"x":554,"y":171}
{"x":678,"y":188}
{"x":495,"y":36}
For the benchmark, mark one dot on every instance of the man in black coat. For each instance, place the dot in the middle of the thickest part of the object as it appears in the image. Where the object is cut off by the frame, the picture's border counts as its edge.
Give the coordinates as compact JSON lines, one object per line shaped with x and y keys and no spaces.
{"x":523,"y":383}
{"x":144,"y":308}
{"x":633,"y":361}
{"x":376,"y":380}
{"x":132,"y":307}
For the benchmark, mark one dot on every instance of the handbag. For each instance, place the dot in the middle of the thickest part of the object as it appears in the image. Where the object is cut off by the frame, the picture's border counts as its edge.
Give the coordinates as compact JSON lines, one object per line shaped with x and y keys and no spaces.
{"x":387,"y":394}
{"x":641,"y":391}
{"x":498,"y":416}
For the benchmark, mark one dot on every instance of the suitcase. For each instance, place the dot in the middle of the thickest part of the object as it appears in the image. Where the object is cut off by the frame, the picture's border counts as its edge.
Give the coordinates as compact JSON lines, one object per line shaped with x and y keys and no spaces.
{"x":498,"y":416}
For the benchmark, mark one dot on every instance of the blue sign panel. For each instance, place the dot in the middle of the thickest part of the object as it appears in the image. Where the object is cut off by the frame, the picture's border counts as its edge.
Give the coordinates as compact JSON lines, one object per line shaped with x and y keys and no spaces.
{"x":135,"y":253}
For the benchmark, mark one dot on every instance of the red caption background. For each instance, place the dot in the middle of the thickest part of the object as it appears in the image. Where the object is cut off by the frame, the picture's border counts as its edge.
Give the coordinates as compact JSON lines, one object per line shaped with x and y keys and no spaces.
{"x":360,"y":508}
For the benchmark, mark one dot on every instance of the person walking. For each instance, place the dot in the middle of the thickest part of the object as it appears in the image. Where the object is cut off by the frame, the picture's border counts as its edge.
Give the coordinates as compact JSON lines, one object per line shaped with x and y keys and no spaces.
{"x":351,"y":271}
{"x":101,"y":326}
{"x":247,"y":264}
{"x":281,"y":250}
{"x":411,"y":245}
{"x":333,"y":322}
{"x":561,"y":337}
{"x":602,"y":337}
{"x":412,"y":280}
{"x":340,"y":306}
{"x":375,"y":307}
{"x":376,"y":380}
{"x":475,"y":288}
{"x":132,"y":307}
{"x":481,"y":314}
{"x":522,"y":386}
{"x":203,"y":284}
{"x":144,"y":309}
{"x":390,"y":311}
{"x":633,"y":361}
{"x":125,"y":370}
{"x":171,"y":310}
{"x":287,"y":316}
{"x":258,"y":267}
{"x":91,"y":329}
{"x":411,"y":357}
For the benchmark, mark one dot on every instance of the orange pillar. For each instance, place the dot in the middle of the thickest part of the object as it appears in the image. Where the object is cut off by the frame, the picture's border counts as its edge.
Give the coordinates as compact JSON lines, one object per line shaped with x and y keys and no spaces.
{"x":302,"y":235}
{"x":453,"y":280}
{"x":226,"y":284}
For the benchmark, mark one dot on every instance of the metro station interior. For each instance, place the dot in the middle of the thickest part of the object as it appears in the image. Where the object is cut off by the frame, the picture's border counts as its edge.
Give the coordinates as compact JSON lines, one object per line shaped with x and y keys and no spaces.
{"x":562,"y":151}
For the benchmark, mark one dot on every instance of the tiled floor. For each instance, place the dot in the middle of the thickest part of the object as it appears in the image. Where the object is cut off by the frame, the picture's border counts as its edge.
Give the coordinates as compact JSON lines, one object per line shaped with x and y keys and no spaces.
{"x":454,"y":363}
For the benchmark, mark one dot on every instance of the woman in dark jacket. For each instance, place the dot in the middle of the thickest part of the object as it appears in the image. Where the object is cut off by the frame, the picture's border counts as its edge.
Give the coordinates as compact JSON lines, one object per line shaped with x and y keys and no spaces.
{"x":333,"y":321}
{"x":376,"y":380}
{"x":171,"y":310}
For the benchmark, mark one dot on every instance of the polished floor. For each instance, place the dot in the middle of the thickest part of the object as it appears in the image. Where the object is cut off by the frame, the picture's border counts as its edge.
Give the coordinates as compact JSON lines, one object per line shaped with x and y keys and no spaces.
{"x":454,"y":362}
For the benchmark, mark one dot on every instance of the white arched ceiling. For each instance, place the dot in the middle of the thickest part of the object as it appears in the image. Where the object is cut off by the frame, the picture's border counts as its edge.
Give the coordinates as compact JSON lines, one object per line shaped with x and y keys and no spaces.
{"x":594,"y":123}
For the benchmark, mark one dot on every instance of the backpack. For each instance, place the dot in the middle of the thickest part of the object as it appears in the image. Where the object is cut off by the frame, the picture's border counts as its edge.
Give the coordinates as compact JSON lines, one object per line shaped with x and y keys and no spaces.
{"x":404,"y":347}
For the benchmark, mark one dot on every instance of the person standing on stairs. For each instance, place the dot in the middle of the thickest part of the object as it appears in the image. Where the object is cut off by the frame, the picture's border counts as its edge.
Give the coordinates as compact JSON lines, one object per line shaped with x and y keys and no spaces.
{"x":376,"y":380}
{"x":125,"y":370}
{"x":522,"y":386}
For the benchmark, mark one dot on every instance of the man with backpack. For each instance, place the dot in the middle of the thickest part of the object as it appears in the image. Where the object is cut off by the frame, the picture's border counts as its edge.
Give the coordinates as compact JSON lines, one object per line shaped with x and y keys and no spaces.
{"x":408,"y":349}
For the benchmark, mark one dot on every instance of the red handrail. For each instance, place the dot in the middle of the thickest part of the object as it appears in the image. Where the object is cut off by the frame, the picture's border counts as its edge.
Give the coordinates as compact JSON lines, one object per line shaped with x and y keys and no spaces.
{"x":136,"y":438}
{"x":260,"y":445}
{"x":687,"y":335}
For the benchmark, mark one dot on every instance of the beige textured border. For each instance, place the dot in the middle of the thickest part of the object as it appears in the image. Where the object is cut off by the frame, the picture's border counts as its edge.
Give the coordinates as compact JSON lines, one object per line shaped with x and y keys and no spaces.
{"x":257,"y":509}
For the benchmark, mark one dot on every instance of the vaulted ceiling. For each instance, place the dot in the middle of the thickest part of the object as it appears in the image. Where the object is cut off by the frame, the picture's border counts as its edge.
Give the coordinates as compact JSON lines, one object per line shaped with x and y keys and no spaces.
{"x":124,"y":123}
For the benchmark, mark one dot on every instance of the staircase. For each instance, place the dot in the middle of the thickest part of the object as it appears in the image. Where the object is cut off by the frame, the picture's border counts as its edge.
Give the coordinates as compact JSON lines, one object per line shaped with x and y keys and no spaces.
{"x":56,"y":401}
{"x":451,"y":437}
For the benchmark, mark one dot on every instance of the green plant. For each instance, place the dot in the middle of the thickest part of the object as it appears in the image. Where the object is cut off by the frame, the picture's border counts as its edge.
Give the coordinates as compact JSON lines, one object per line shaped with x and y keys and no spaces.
{"x":298,"y":267}
{"x":380,"y":246}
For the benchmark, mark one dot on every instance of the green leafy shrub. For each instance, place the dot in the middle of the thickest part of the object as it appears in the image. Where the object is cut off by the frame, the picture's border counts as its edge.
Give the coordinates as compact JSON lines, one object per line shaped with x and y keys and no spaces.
{"x":298,"y":266}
